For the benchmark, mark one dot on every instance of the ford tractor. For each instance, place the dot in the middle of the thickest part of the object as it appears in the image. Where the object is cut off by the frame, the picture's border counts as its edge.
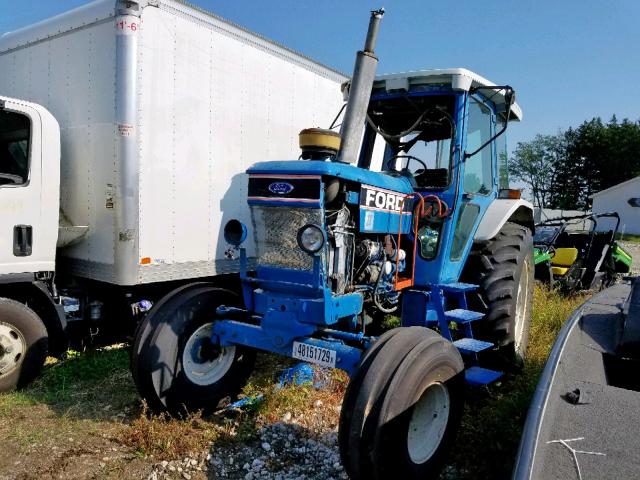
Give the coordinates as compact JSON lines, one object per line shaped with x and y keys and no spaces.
{"x":405,"y":211}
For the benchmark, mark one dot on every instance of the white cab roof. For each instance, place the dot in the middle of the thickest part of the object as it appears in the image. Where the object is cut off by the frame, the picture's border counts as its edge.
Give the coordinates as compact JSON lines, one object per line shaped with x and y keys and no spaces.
{"x":459,"y":79}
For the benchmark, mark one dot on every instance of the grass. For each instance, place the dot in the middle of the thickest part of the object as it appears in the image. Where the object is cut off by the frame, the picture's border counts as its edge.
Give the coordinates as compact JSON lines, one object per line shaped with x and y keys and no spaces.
{"x":492,"y":423}
{"x":626,"y":237}
{"x":92,"y":385}
{"x":91,"y":395}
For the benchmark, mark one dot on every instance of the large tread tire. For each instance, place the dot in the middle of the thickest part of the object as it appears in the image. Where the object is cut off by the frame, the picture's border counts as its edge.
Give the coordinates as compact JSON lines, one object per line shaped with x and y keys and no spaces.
{"x":351,"y":394}
{"x":157,"y":353}
{"x":364,"y":396}
{"x":504,"y":270}
{"x":28,"y":340}
{"x":416,"y":448}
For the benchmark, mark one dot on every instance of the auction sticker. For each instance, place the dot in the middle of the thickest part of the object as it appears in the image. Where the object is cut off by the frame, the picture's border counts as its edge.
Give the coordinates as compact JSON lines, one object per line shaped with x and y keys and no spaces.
{"x":311,"y":353}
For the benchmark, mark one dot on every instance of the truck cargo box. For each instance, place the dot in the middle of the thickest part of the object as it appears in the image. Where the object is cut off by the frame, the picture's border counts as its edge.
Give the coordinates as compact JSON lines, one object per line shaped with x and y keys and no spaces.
{"x":162,"y":107}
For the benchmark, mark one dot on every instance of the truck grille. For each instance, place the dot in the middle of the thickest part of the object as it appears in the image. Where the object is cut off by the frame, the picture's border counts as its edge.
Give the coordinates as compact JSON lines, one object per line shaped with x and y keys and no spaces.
{"x":275,"y":233}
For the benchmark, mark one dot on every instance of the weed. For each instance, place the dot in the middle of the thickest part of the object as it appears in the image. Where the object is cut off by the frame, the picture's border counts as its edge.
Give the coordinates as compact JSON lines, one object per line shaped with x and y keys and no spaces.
{"x":170,"y":437}
{"x":492,"y":423}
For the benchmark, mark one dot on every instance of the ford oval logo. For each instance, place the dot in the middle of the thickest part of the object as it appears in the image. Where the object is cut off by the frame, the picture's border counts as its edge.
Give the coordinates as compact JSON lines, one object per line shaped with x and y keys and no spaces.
{"x":281,"y":188}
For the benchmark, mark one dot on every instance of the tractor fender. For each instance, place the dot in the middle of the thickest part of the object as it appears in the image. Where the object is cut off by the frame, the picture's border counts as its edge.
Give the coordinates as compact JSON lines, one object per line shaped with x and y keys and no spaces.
{"x":501,"y":211}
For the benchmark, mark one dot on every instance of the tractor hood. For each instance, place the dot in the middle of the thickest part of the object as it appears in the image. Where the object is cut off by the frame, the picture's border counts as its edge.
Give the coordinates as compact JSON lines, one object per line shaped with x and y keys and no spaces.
{"x":332,"y":169}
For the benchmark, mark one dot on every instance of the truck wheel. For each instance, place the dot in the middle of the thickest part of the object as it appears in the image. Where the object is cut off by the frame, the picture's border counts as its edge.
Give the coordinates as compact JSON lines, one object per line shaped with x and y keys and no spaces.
{"x":23,"y":344}
{"x":420,"y":413}
{"x":366,"y":393}
{"x":503,"y":267}
{"x":175,"y":367}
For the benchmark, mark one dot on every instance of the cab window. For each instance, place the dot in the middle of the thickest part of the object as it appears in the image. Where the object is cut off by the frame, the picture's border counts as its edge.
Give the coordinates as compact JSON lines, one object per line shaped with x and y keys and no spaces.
{"x":503,"y":160}
{"x":477,"y":168}
{"x":15,"y":137}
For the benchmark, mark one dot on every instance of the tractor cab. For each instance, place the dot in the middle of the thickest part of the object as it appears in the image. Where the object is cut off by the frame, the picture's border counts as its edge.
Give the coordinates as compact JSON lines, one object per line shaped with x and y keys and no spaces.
{"x":443,"y":130}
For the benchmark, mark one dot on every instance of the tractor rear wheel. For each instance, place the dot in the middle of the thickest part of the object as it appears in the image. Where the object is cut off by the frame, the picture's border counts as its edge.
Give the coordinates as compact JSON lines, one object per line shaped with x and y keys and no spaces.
{"x":408,"y":401}
{"x":503,"y":268}
{"x":175,"y":366}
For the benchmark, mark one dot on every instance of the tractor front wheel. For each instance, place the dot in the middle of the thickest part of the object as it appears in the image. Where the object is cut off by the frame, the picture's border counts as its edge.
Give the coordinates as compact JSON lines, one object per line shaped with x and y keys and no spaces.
{"x":175,"y":365}
{"x":405,"y":408}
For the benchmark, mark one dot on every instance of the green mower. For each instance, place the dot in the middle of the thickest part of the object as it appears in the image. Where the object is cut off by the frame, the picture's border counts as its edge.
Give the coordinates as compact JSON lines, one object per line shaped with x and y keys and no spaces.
{"x":572,"y":256}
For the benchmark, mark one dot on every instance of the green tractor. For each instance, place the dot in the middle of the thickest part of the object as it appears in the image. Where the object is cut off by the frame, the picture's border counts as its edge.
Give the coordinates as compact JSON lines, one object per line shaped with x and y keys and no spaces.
{"x":573,"y":254}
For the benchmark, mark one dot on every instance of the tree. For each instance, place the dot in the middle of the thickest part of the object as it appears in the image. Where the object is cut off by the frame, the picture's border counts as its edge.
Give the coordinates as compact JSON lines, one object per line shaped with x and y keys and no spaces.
{"x":534,"y":162}
{"x":565,"y":170}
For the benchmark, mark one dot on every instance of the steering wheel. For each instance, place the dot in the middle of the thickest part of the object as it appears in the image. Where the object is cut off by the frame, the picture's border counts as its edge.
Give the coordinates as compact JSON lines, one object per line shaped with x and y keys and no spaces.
{"x":13,"y":178}
{"x":409,"y":158}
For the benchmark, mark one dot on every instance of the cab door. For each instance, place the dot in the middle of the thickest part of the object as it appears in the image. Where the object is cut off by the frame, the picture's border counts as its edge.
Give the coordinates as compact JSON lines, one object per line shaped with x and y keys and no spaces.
{"x":478,"y":185}
{"x":22,"y":249}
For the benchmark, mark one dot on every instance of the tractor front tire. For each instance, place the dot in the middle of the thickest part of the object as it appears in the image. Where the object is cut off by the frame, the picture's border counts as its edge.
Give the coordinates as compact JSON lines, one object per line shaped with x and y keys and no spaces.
{"x":421,"y":412}
{"x":173,"y":364}
{"x":503,"y":268}
{"x":377,"y":431}
{"x":23,"y":344}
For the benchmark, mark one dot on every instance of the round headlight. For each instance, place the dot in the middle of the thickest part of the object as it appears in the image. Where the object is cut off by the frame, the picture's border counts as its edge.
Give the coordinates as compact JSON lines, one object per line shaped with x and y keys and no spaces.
{"x":235,"y":232}
{"x":311,"y":238}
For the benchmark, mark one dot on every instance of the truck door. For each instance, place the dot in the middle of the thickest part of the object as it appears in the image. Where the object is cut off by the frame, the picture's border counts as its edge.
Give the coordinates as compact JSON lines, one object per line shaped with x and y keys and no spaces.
{"x":20,"y":189}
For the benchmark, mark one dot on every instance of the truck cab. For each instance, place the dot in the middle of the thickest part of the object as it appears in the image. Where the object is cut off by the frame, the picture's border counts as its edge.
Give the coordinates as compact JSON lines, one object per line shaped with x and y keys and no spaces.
{"x":29,"y":188}
{"x":31,"y":321}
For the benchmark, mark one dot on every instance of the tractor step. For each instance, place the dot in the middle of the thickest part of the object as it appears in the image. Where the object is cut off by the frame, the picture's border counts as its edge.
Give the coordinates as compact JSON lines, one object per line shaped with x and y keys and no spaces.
{"x":471,"y":345}
{"x":458,"y":287}
{"x":478,"y":376}
{"x":461,"y":316}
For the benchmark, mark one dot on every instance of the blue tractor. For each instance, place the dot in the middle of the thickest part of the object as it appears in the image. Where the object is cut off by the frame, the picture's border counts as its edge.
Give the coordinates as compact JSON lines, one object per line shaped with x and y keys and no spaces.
{"x":407,"y":212}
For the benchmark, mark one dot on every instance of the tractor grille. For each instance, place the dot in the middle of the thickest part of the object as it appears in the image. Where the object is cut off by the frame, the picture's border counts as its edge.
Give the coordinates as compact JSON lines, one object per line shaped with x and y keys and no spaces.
{"x":275,"y":233}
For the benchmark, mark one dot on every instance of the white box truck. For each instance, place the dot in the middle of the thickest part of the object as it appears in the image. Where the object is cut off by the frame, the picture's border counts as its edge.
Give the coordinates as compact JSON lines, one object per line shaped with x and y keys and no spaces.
{"x":124,"y":158}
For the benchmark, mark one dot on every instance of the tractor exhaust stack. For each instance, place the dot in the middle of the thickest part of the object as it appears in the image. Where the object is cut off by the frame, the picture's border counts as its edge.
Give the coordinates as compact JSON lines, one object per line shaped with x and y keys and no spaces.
{"x":359,"y":92}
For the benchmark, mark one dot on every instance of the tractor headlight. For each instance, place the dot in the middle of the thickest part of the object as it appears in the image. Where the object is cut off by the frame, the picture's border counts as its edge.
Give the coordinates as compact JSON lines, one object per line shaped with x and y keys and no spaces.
{"x":311,"y":238}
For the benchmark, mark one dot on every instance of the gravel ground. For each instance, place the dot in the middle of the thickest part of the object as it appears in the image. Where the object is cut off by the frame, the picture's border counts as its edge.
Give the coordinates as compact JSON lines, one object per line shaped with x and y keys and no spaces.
{"x":283,"y":451}
{"x":634,"y":251}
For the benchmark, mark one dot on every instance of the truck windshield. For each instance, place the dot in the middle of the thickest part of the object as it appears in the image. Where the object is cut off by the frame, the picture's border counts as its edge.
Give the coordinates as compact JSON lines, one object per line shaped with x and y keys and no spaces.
{"x":544,"y":234}
{"x":14,"y":148}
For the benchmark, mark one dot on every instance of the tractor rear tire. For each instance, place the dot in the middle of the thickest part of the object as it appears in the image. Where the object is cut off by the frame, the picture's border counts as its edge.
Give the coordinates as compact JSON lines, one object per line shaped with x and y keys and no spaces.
{"x":503,"y":268}
{"x":367,"y":391}
{"x":168,"y":366}
{"x":23,"y":344}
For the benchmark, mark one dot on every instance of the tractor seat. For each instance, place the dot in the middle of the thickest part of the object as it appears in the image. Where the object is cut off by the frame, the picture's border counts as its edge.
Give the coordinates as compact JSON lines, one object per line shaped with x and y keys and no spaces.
{"x":562,"y":260}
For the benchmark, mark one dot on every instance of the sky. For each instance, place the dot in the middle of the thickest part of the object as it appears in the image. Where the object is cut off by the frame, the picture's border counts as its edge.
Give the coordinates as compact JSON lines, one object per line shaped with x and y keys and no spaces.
{"x":568,"y":60}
